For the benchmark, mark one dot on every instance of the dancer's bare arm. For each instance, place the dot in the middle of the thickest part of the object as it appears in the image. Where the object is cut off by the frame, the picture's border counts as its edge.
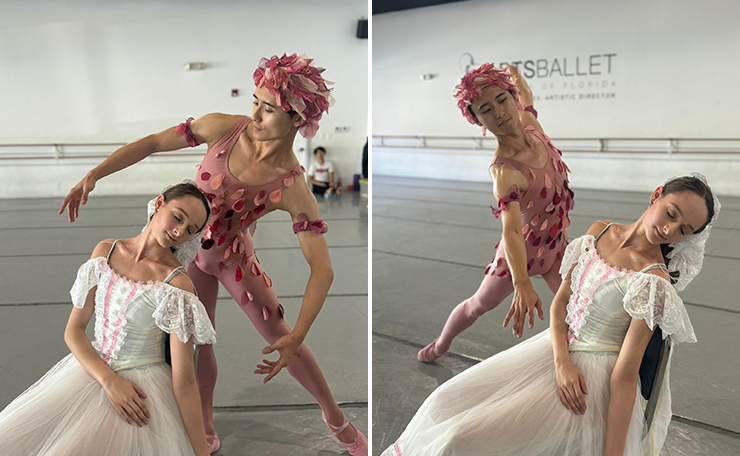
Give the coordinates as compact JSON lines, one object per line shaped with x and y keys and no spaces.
{"x":623,"y":383}
{"x":301,"y":201}
{"x":125,"y":396}
{"x":525,"y":299}
{"x":184,"y":384}
{"x":525,"y":97}
{"x":208,"y":129}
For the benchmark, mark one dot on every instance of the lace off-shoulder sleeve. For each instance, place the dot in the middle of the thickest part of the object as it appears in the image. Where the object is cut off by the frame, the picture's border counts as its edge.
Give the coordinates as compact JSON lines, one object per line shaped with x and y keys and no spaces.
{"x":573,"y":252}
{"x":180,"y":312}
{"x":87,"y":277}
{"x":653,"y":299}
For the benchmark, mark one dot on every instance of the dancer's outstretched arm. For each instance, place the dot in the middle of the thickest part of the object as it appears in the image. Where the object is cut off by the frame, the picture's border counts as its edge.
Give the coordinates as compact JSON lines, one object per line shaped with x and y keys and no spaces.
{"x":623,"y":383}
{"x":208,"y":128}
{"x":125,"y":396}
{"x":525,"y":97}
{"x":184,"y":384}
{"x":505,"y":180}
{"x":300,"y":201}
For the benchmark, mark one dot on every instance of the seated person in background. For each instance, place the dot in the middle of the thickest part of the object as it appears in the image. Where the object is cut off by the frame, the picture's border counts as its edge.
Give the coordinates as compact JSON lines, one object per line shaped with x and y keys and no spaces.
{"x":321,"y":173}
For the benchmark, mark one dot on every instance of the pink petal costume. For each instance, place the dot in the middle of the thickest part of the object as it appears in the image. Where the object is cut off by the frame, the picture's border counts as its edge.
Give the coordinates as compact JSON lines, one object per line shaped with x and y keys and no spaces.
{"x":67,"y":412}
{"x":544,"y":209}
{"x":509,"y":404}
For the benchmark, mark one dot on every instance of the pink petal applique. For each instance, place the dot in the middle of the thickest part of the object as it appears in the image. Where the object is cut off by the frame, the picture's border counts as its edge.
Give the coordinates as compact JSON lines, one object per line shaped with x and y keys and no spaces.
{"x":276,"y":196}
{"x":237,"y":194}
{"x":227,"y":254}
{"x":258,"y":210}
{"x":536,"y":219}
{"x":215,"y":210}
{"x":530,"y":205}
{"x":525,"y":228}
{"x":217,"y":181}
{"x":495,"y":262}
{"x":246,"y":298}
{"x":540,"y":251}
{"x":197,"y":166}
{"x":207,"y":233}
{"x":205,"y":176}
{"x":256,"y":269}
{"x":289,"y":181}
{"x":543,"y":193}
{"x":266,"y":313}
{"x":219,"y":200}
{"x":531,"y":173}
{"x":221,"y":240}
{"x":235,"y":244}
{"x":220,"y":153}
{"x":550,"y":208}
{"x":197,"y":257}
{"x":248,"y":217}
{"x":221,"y":266}
{"x":239,"y":274}
{"x":268,"y":281}
{"x":531,"y":236}
{"x":543,"y":227}
{"x":245,"y":260}
{"x":548,"y":181}
{"x":260,"y":198}
{"x":239,"y":205}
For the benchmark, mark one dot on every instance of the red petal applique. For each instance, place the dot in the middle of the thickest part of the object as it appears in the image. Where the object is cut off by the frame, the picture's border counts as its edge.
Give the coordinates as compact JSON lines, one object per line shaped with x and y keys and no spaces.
{"x":303,"y":170}
{"x":276,"y":196}
{"x":229,"y":214}
{"x":503,"y":274}
{"x":542,"y":262}
{"x":531,"y":236}
{"x":289,"y":181}
{"x":256,"y":269}
{"x":281,"y":311}
{"x":556,"y":199}
{"x":248,"y":218}
{"x":553,"y":245}
{"x":246,"y":298}
{"x":525,"y":228}
{"x":239,"y":205}
{"x":559,"y":255}
{"x":560,"y":166}
{"x":210,"y":196}
{"x":548,"y":181}
{"x":543,"y":193}
{"x":197,"y":256}
{"x":216,"y":226}
{"x":537,"y":241}
{"x":221,"y":240}
{"x":207,"y":244}
{"x":268,"y":281}
{"x":530,"y":205}
{"x":499,"y":242}
{"x":266,"y":313}
{"x":205,"y":176}
{"x":543,"y":227}
{"x":228,"y":227}
{"x":216,"y":182}
{"x":237,"y":194}
{"x":215,"y":210}
{"x":553,"y":231}
{"x":560,"y":212}
{"x":260,"y":198}
{"x":488,"y":268}
{"x":540,"y":251}
{"x":239,"y":273}
{"x":536,"y":219}
{"x":221,"y":266}
{"x":258,"y":210}
{"x":530,"y":264}
{"x":560,"y":224}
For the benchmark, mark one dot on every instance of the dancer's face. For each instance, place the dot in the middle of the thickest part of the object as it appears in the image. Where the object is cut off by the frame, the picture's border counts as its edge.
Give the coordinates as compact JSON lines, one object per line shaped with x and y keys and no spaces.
{"x":268,"y":119}
{"x":177,"y":219}
{"x":496,"y":110}
{"x":672,"y":217}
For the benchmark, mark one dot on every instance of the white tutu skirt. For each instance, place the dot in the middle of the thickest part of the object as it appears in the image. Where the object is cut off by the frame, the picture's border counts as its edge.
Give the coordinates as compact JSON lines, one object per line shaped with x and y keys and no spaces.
{"x":509,"y":405}
{"x":67,"y":412}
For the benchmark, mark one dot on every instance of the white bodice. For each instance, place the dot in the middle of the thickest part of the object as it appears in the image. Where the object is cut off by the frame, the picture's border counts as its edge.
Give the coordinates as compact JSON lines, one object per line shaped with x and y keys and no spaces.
{"x":605,"y":299}
{"x":131,"y":318}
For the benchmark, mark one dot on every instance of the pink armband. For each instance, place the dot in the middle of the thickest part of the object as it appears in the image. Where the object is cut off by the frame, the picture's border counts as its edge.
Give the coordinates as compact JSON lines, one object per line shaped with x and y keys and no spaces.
{"x":303,"y":224}
{"x":531,"y":109}
{"x":184,"y":129}
{"x":513,"y":195}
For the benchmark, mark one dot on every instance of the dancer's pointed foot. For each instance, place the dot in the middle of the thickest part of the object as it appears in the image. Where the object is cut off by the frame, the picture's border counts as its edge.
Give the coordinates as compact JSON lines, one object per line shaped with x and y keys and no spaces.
{"x":213,"y":442}
{"x":429,"y":353}
{"x":358,"y":445}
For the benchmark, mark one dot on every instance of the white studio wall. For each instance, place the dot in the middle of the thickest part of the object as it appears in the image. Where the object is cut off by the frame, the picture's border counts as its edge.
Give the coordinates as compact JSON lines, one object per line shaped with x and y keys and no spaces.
{"x":638,"y":73}
{"x":84,"y":71}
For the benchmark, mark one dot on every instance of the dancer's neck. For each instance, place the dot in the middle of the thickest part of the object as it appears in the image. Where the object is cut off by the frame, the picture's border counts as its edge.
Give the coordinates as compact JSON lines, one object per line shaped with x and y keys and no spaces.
{"x":514,"y":143}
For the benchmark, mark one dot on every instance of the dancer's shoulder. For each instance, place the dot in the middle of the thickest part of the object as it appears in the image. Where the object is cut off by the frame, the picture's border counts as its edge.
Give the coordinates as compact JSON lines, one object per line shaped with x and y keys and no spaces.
{"x":598,"y":227}
{"x":102,"y":249}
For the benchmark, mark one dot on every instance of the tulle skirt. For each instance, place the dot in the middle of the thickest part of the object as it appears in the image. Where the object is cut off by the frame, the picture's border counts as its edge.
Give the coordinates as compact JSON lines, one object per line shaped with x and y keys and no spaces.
{"x":509,"y":405}
{"x":67,"y":412}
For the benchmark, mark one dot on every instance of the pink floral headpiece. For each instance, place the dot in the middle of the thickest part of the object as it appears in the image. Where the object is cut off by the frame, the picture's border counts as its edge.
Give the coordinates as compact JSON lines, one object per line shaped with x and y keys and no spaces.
{"x":469,"y":87}
{"x":298,"y":86}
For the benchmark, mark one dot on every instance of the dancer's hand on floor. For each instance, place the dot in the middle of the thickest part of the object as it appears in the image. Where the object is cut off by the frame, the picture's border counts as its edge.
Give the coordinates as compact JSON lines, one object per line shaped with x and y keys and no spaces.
{"x":77,"y":196}
{"x":525,"y":302}
{"x":286,"y":346}
{"x":571,"y":387}
{"x":128,"y":400}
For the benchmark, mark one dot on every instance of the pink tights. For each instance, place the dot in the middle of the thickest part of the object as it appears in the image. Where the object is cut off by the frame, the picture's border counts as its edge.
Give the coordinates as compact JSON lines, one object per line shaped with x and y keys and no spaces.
{"x":270,"y":324}
{"x":492,"y":291}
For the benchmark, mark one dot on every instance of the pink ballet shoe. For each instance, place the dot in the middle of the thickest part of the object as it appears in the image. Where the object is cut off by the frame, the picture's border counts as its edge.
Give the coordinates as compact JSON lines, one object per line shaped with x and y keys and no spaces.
{"x":356,"y":448}
{"x":213,"y":443}
{"x":428,"y":353}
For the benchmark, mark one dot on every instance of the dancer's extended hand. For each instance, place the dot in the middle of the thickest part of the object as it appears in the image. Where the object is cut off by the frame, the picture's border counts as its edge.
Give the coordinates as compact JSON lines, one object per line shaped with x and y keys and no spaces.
{"x":128,"y":400}
{"x":571,"y":387}
{"x":525,"y":302}
{"x":286,"y":346}
{"x":77,"y":196}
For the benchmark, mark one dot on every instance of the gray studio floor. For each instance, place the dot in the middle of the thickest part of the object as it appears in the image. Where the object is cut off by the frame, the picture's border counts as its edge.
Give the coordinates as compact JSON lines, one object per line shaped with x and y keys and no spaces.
{"x":40,"y":252}
{"x":431,"y":241}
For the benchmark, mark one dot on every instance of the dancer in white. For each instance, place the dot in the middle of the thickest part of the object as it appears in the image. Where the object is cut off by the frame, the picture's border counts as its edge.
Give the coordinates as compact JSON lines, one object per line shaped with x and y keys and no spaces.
{"x":573,"y":389}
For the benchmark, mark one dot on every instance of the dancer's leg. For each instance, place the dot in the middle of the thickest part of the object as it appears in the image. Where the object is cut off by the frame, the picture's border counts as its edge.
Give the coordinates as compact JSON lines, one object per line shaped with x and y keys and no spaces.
{"x":265,"y":312}
{"x":206,"y":286}
{"x":492,"y":291}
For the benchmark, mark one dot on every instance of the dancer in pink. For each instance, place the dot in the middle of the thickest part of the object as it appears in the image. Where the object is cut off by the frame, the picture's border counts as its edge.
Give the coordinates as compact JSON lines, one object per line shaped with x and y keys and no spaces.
{"x":250,"y":170}
{"x":531,"y":186}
